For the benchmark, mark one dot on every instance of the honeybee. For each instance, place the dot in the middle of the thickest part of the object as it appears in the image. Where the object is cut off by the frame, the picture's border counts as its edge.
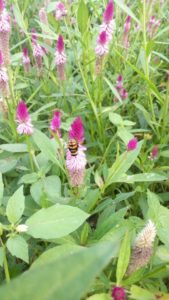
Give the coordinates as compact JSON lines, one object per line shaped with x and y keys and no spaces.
{"x":73,"y":147}
{"x":144,"y":135}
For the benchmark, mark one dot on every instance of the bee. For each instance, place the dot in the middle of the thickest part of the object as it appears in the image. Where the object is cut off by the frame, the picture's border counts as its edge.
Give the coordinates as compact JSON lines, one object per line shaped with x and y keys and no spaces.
{"x":73,"y":147}
{"x":144,"y":135}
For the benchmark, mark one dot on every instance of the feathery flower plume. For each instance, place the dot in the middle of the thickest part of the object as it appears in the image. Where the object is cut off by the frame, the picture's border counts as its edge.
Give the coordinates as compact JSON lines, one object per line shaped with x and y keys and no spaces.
{"x":76,"y":164}
{"x":61,"y":11}
{"x":120,"y":88}
{"x":60,"y":58}
{"x":55,"y":123}
{"x":22,"y":228}
{"x":23,"y":119}
{"x":153,"y":26}
{"x":143,"y":247}
{"x":44,"y":20}
{"x":77,"y":130}
{"x":154,"y":153}
{"x":26,"y":60}
{"x":102,"y":48}
{"x":5,"y":29}
{"x":4,"y":87}
{"x":132,"y":144}
{"x":38,"y":52}
{"x":127,"y":26}
{"x":118,"y":293}
{"x":108,"y":22}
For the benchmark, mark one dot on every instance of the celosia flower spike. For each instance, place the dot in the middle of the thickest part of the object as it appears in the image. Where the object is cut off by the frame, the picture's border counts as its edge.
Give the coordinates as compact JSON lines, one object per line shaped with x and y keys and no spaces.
{"x":23,"y":119}
{"x":2,"y":5}
{"x":61,"y":11}
{"x":38,"y":52}
{"x":77,"y":130}
{"x":60,"y":58}
{"x":26,"y":60}
{"x":5,"y":29}
{"x":118,"y":293}
{"x":44,"y":20}
{"x":109,"y":12}
{"x":4,"y":86}
{"x":132,"y":144}
{"x":154,"y":153}
{"x":55,"y":123}
{"x":127,"y":26}
{"x":143,"y":247}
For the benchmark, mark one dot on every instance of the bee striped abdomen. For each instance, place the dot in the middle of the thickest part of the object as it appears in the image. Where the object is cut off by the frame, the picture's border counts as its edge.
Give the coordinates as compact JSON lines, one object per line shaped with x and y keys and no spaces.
{"x":73,"y":147}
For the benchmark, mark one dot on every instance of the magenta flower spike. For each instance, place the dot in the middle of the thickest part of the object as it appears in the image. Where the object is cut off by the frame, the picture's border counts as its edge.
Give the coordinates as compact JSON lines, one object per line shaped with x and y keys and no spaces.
{"x":23,"y":119}
{"x":118,"y":293}
{"x":154,"y":153}
{"x":56,"y":123}
{"x":132,"y":144}
{"x":4,"y":80}
{"x":127,"y":24}
{"x":60,"y":58}
{"x":102,"y":46}
{"x":26,"y":60}
{"x":109,"y":12}
{"x":153,"y":26}
{"x":119,"y":83}
{"x":38,"y":52}
{"x":77,"y":130}
{"x":61,"y":11}
{"x":124,"y":94}
{"x":5,"y":29}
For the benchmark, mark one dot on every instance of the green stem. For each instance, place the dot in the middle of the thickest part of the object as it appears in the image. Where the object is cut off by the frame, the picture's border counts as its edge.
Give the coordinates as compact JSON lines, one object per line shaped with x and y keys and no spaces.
{"x":6,"y":268}
{"x":30,"y":153}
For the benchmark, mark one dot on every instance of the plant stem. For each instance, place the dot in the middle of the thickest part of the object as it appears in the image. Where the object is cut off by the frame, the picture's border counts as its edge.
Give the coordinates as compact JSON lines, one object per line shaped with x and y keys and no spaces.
{"x":6,"y":268}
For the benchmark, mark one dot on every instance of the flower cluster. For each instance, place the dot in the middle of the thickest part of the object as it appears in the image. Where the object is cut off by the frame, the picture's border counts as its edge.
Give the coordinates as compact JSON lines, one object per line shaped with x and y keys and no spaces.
{"x":143,"y":248}
{"x":153,"y":26}
{"x":120,"y":88}
{"x":55,"y":123}
{"x":4,"y":87}
{"x":38,"y":51}
{"x":118,"y":293}
{"x":26,"y":60}
{"x":132,"y":144}
{"x":76,"y":164}
{"x":5,"y":29}
{"x":23,"y":119}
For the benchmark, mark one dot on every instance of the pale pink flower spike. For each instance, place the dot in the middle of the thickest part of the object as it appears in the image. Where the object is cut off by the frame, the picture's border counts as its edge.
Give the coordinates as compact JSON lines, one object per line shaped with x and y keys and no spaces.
{"x":60,"y":58}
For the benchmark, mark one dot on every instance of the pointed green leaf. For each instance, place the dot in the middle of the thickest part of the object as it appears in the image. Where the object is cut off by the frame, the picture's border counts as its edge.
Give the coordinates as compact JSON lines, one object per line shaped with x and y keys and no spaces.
{"x":18,"y":247}
{"x":15,"y":206}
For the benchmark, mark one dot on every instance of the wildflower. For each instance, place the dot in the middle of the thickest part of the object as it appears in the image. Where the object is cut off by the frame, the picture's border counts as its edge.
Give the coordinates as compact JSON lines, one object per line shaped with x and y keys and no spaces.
{"x":60,"y":58}
{"x":124,"y":94}
{"x":118,"y":293}
{"x":44,"y":20}
{"x":60,"y":11}
{"x":22,"y":228}
{"x":154,"y":153}
{"x":127,"y":26}
{"x":26,"y":60}
{"x":23,"y":119}
{"x":120,"y":88}
{"x":4,"y":87}
{"x":76,"y":163}
{"x":55,"y":123}
{"x":108,"y":22}
{"x":77,"y":130}
{"x":153,"y":26}
{"x":142,"y":249}
{"x":132,"y":144}
{"x":102,"y":48}
{"x":38,"y":51}
{"x":5,"y":29}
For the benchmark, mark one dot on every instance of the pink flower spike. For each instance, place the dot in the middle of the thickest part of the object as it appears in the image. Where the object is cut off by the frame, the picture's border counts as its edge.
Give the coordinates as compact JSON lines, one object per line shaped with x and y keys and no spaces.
{"x":2,"y":5}
{"x":55,"y":123}
{"x":118,"y":293}
{"x":77,"y":130}
{"x":119,"y":82}
{"x":154,"y":153}
{"x":103,"y":38}
{"x":132,"y":144}
{"x":124,"y":94}
{"x":109,"y":12}
{"x":60,"y":44}
{"x":26,"y":60}
{"x":34,"y":36}
{"x":102,"y":46}
{"x":23,"y":119}
{"x":60,"y":11}
{"x":127,"y":24}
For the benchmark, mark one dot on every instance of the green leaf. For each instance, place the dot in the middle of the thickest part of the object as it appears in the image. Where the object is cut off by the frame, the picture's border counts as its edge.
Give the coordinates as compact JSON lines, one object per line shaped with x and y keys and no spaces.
{"x":127,"y":10}
{"x":140,"y":294}
{"x":77,"y":272}
{"x":14,"y":148}
{"x":122,"y":164}
{"x":113,"y":89}
{"x":144,"y":177}
{"x":123,"y":258}
{"x":45,"y":145}
{"x":55,"y":221}
{"x":1,"y":189}
{"x":115,"y":119}
{"x":54,"y":253}
{"x":29,"y":178}
{"x":7,"y":164}
{"x":15,"y":206}
{"x":82,"y":17}
{"x":1,"y":256}
{"x":18,"y":247}
{"x":100,"y":297}
{"x":18,"y":17}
